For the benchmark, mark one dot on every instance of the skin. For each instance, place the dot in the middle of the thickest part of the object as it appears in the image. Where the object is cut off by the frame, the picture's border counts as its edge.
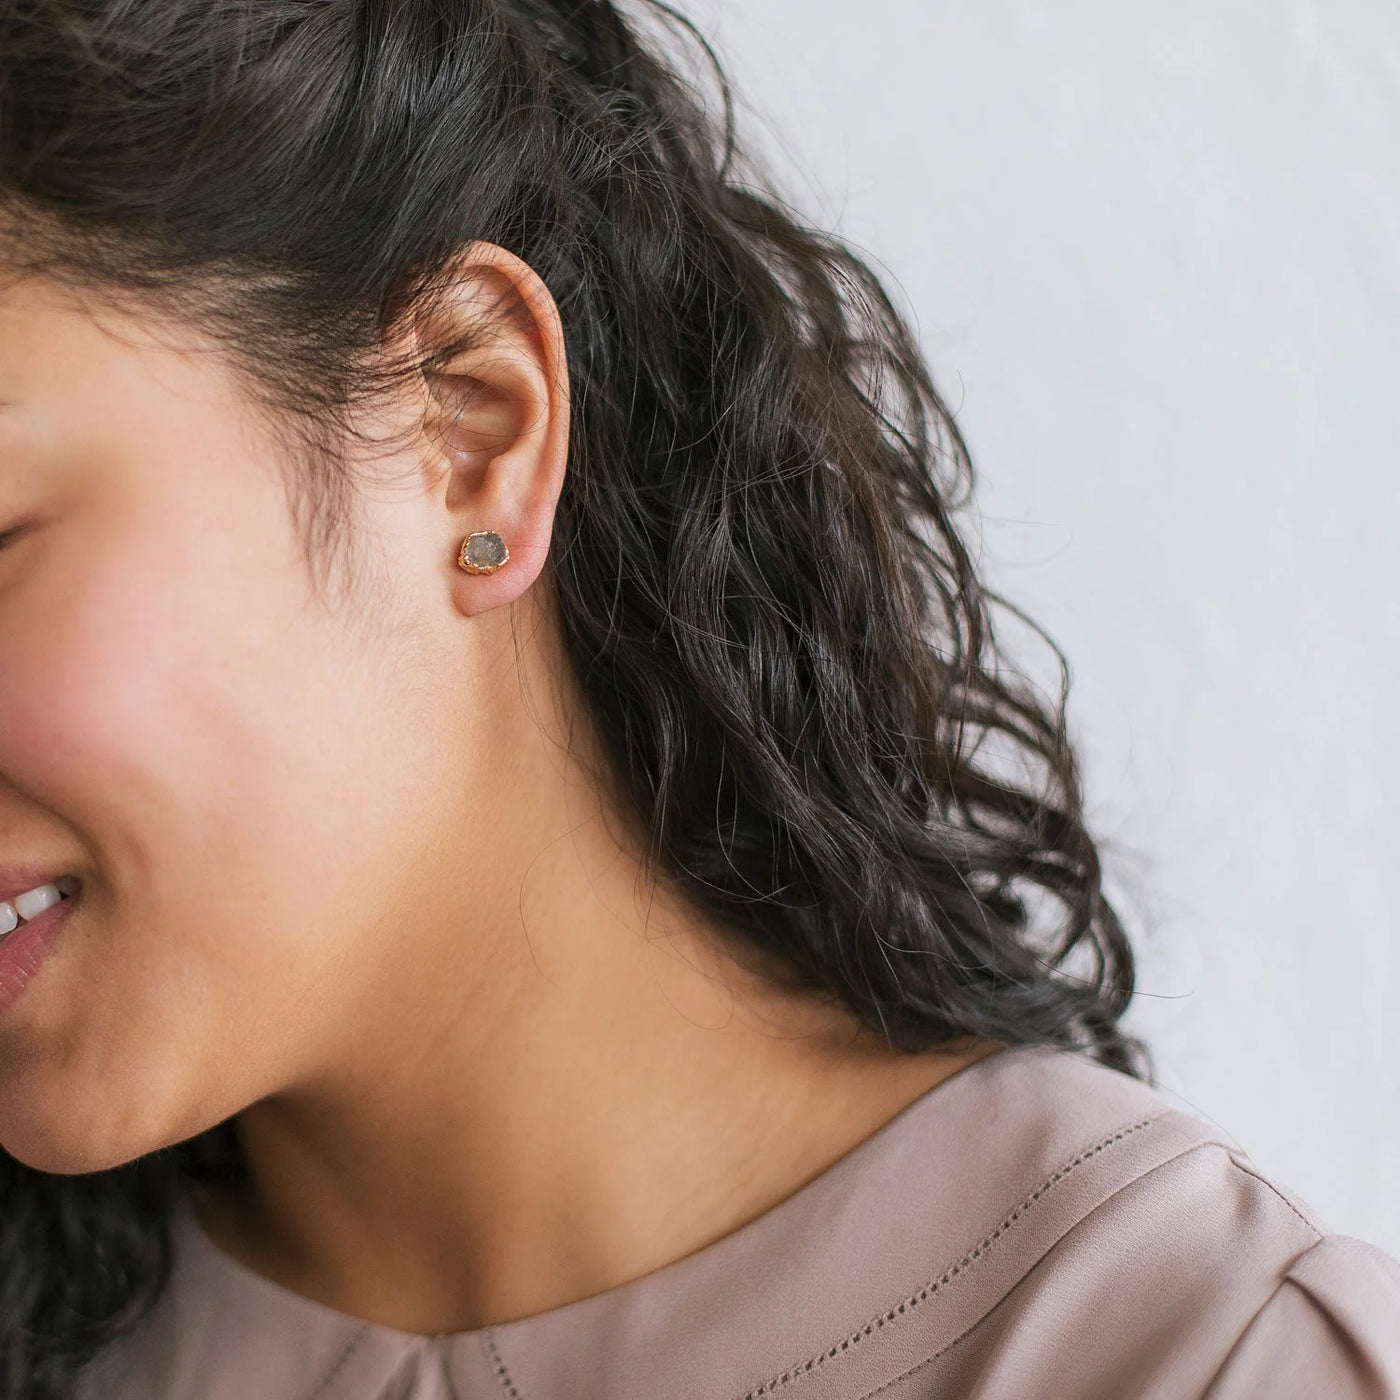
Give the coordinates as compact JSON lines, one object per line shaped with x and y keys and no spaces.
{"x":351,"y":872}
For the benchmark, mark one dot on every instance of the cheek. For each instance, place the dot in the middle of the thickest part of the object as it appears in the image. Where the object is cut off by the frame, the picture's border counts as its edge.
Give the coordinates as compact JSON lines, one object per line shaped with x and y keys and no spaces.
{"x":155,"y":683}
{"x":208,"y":743}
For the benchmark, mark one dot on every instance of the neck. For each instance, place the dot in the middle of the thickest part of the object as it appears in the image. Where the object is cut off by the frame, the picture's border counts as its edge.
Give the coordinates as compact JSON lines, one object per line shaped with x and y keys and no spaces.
{"x":553,"y":1090}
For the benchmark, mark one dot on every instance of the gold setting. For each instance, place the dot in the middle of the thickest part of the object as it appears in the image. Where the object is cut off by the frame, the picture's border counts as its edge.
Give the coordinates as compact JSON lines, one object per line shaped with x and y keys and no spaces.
{"x":483,"y":552}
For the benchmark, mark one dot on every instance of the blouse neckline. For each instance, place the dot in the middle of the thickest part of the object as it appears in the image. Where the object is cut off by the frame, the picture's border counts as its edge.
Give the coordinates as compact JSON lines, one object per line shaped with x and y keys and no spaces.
{"x":190,"y":1235}
{"x":843,"y":1252}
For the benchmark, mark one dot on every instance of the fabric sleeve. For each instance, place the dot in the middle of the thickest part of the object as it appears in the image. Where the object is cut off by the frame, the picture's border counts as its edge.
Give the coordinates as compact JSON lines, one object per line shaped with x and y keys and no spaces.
{"x":1331,"y":1328}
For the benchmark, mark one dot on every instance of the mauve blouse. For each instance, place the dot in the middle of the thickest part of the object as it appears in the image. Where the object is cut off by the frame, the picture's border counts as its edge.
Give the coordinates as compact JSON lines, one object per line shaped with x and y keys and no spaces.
{"x":1035,"y":1226}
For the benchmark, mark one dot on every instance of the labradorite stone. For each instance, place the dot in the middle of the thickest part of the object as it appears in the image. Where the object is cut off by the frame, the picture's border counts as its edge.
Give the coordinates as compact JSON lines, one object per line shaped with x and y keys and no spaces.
{"x":486,"y":550}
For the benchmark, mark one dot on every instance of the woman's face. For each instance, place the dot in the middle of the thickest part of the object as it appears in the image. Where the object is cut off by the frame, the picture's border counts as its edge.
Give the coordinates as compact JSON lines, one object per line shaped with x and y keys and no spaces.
{"x":244,"y":779}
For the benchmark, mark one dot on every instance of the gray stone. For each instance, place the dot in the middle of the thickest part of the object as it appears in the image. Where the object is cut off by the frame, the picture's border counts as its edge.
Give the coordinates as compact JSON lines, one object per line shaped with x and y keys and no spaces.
{"x":486,"y":551}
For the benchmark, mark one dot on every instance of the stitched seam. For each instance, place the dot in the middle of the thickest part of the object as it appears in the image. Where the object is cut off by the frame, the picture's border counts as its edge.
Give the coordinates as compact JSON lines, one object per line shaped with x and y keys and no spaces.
{"x":499,"y":1366}
{"x":1248,"y":1170}
{"x":943,"y":1351}
{"x":339,"y":1364}
{"x":935,"y":1285}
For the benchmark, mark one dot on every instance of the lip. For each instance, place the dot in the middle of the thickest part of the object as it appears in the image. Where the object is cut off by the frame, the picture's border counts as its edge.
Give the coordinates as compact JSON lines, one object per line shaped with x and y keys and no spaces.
{"x":27,"y":949}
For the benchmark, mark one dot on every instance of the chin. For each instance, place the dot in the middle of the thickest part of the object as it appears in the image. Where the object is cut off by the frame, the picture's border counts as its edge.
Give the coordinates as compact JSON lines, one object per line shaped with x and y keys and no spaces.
{"x":55,"y":1155}
{"x":76,"y":1133}
{"x":72,"y":1148}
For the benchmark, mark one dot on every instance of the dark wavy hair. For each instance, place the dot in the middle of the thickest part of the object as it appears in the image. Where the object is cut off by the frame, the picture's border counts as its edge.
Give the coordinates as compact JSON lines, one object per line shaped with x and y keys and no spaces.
{"x":762,"y":588}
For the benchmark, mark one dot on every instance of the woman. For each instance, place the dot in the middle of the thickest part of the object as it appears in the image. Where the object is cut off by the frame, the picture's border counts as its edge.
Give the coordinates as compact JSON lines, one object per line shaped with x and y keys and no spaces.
{"x":523,"y":872}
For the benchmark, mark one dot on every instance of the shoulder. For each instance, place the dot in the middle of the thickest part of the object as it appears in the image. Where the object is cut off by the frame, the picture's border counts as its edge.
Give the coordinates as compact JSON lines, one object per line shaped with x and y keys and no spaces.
{"x":1146,"y":1245}
{"x":1331,"y":1327}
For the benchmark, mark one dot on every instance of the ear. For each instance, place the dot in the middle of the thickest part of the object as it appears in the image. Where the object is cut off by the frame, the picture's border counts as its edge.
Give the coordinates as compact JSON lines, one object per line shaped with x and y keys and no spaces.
{"x":498,"y":417}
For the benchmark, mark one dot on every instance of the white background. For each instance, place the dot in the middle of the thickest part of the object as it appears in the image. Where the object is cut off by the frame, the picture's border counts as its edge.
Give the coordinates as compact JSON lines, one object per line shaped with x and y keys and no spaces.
{"x":1153,"y":251}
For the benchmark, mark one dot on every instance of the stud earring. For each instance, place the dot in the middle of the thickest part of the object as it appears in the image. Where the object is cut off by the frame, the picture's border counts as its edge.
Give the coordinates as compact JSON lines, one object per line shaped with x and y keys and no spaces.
{"x":483,"y":553}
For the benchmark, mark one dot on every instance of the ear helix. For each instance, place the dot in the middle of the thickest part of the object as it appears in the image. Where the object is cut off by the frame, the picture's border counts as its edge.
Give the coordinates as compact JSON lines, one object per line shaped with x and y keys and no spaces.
{"x":483,"y":553}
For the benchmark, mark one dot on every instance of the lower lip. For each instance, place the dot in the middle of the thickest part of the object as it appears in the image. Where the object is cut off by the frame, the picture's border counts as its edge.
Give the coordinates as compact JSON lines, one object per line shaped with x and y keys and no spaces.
{"x":27,"y":949}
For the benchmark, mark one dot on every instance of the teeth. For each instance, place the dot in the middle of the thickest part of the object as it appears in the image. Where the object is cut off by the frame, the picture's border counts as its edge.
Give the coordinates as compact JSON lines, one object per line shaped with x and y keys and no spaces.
{"x":32,"y":903}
